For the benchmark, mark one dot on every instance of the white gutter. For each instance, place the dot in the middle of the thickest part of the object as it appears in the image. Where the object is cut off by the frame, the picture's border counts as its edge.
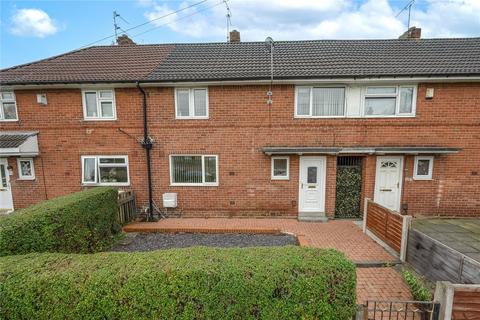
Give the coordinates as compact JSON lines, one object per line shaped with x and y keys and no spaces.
{"x":243,"y":82}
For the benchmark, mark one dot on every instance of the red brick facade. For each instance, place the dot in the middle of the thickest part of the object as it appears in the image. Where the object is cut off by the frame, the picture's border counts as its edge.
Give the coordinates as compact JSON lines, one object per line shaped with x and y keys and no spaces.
{"x":241,"y":123}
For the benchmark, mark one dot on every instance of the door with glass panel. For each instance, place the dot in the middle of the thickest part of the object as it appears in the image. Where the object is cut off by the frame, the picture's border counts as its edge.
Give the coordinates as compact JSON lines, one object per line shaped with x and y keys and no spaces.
{"x":388,"y":182}
{"x":6,"y":200}
{"x":312,"y":184}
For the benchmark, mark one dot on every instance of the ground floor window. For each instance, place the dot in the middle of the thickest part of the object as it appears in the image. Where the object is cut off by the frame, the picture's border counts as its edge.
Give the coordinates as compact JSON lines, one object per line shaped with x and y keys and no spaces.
{"x":280,"y":168}
{"x":105,"y":170}
{"x":26,"y":171}
{"x":423,"y":168}
{"x":194,"y":170}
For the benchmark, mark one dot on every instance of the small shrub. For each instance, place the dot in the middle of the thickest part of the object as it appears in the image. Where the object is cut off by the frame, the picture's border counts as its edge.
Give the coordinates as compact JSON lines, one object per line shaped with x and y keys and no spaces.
{"x":191,"y":283}
{"x":417,"y":287}
{"x":80,"y":222}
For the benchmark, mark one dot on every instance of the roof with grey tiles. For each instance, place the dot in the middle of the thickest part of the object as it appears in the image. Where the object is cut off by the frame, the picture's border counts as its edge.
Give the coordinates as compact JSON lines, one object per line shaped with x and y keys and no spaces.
{"x":321,"y":59}
{"x":250,"y":61}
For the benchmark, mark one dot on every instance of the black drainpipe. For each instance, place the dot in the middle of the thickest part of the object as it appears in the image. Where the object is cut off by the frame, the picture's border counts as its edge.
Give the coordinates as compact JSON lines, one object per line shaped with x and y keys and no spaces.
{"x":147,"y":145}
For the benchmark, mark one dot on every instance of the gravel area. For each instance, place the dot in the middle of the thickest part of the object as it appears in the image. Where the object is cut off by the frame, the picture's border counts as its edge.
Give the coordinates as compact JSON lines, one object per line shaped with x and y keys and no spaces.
{"x":155,"y":241}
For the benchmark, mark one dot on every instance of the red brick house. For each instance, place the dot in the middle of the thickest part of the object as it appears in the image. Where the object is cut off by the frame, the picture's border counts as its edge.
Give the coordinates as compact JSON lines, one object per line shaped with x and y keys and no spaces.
{"x":393,"y":120}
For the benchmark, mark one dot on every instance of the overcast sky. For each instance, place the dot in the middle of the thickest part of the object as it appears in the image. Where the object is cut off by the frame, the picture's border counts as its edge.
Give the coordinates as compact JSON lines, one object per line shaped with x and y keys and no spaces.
{"x":32,"y":30}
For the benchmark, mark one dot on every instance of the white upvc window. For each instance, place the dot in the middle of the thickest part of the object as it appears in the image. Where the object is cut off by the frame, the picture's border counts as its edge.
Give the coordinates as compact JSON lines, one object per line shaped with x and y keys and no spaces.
{"x":194,"y":170}
{"x":8,"y":106}
{"x":423,"y":169}
{"x":389,"y":101}
{"x":319,"y":102}
{"x":105,"y":170}
{"x":280,"y":168}
{"x":191,"y":103}
{"x":26,"y":171}
{"x":99,"y":105}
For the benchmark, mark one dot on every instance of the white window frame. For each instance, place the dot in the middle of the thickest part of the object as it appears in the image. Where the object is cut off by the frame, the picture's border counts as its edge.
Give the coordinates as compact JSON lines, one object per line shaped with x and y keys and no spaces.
{"x":19,"y":168}
{"x":395,"y":95}
{"x":99,"y":107}
{"x":311,"y":99}
{"x":191,"y":103}
{"x":97,"y":166}
{"x":14,"y":100}
{"x":274,"y":177}
{"x":430,"y":168}
{"x":203,"y":183}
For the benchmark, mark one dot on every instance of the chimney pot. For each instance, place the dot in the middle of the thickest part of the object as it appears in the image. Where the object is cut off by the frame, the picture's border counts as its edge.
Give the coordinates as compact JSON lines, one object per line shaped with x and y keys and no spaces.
{"x":234,"y":36}
{"x":412,"y":33}
{"x":124,"y":40}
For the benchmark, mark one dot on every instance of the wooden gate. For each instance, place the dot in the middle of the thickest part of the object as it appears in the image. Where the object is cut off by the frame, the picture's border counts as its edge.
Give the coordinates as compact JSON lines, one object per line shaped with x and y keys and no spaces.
{"x":126,"y":206}
{"x":349,"y":187}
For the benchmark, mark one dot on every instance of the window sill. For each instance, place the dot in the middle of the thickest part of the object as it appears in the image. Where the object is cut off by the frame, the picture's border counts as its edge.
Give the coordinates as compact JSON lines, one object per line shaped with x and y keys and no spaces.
{"x":26,"y":179}
{"x":422,"y":179}
{"x":192,"y":118}
{"x":126,"y":184}
{"x":193,"y":185}
{"x":99,"y":119}
{"x":8,"y":120}
{"x":280,"y":178}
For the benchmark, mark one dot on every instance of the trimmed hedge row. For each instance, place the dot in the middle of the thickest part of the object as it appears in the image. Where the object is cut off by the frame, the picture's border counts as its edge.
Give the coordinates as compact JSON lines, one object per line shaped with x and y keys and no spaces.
{"x":80,"y":222}
{"x":192,"y":283}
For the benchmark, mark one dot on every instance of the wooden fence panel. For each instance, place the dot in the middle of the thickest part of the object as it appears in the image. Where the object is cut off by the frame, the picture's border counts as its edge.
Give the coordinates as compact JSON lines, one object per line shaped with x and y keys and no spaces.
{"x":385,"y":224}
{"x":126,"y":206}
{"x":466,"y":303}
{"x":439,"y":262}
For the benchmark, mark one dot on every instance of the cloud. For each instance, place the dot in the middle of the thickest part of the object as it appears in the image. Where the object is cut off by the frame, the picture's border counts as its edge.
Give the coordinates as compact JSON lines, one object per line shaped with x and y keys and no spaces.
{"x":326,"y":19}
{"x":32,"y":22}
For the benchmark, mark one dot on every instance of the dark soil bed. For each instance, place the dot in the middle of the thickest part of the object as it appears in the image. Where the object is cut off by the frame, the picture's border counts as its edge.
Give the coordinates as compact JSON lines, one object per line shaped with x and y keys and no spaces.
{"x":154,"y":241}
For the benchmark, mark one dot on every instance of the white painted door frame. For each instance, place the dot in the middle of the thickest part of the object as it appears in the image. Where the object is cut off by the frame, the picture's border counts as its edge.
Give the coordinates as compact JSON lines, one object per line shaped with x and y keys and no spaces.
{"x":377,"y":193}
{"x":6,"y":197}
{"x":321,"y":163}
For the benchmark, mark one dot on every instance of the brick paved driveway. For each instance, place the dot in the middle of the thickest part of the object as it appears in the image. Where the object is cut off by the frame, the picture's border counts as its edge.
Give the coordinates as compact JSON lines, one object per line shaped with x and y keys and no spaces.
{"x":383,"y":283}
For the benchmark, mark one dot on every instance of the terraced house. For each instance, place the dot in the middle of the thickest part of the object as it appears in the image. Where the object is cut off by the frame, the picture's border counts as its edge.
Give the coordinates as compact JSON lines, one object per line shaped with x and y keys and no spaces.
{"x":397,"y":121}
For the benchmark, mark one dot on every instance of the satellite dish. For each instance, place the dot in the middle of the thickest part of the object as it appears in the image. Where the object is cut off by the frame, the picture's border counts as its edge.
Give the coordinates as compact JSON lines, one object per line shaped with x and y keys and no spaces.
{"x":269,"y":44}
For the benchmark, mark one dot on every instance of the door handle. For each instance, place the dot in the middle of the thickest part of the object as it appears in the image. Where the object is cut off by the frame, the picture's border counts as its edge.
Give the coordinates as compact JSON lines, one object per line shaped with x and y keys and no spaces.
{"x":386,"y":190}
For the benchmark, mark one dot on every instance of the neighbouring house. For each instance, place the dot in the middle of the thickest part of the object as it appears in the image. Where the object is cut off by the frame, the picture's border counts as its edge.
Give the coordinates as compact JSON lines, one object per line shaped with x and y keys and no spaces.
{"x":395,"y":120}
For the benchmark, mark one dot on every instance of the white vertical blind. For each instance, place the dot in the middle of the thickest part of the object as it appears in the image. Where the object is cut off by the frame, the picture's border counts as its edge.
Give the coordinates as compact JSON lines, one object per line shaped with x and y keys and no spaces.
{"x":406,"y":100}
{"x":187,"y":169}
{"x":328,"y":101}
{"x":303,"y":101}
{"x":91,"y":104}
{"x":200,"y":102}
{"x":183,"y":103}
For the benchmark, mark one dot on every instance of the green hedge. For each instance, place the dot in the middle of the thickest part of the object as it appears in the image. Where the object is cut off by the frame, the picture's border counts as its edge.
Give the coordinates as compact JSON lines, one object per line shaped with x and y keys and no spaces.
{"x":192,"y":283}
{"x":80,"y":222}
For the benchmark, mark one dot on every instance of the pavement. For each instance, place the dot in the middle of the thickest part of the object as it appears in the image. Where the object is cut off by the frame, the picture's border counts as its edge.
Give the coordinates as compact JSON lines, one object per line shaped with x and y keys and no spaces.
{"x":373,"y":282}
{"x":461,"y":234}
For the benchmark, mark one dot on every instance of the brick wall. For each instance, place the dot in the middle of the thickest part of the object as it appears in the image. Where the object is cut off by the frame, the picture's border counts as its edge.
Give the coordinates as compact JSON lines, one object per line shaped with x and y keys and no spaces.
{"x":240,"y":125}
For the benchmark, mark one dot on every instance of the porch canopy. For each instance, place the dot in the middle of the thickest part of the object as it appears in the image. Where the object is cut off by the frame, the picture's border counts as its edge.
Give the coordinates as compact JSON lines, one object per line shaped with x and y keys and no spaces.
{"x":18,"y":143}
{"x":358,"y":150}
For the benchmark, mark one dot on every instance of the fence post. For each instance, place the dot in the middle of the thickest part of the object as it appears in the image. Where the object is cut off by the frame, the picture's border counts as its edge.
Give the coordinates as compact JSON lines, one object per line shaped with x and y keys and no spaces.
{"x":404,"y":242}
{"x":444,"y":295}
{"x":365,"y":212}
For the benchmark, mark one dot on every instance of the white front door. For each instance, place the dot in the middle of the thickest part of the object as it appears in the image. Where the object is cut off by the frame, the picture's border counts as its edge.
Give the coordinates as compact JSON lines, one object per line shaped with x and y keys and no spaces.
{"x":6,"y":200}
{"x":312,"y":184}
{"x":388,"y":182}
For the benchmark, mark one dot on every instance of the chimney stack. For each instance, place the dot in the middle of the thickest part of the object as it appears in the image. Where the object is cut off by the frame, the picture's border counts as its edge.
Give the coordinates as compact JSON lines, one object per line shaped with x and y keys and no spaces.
{"x":124,"y":40}
{"x":234,"y":36}
{"x":412,"y":33}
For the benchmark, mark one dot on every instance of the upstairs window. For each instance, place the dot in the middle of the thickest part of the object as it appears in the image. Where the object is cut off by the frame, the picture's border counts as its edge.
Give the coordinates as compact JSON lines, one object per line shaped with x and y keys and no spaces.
{"x":194,"y":170}
{"x":191,"y":103}
{"x":99,"y":105}
{"x":320,"y":102}
{"x":389,"y":101}
{"x":105,"y":170}
{"x":8,"y":106}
